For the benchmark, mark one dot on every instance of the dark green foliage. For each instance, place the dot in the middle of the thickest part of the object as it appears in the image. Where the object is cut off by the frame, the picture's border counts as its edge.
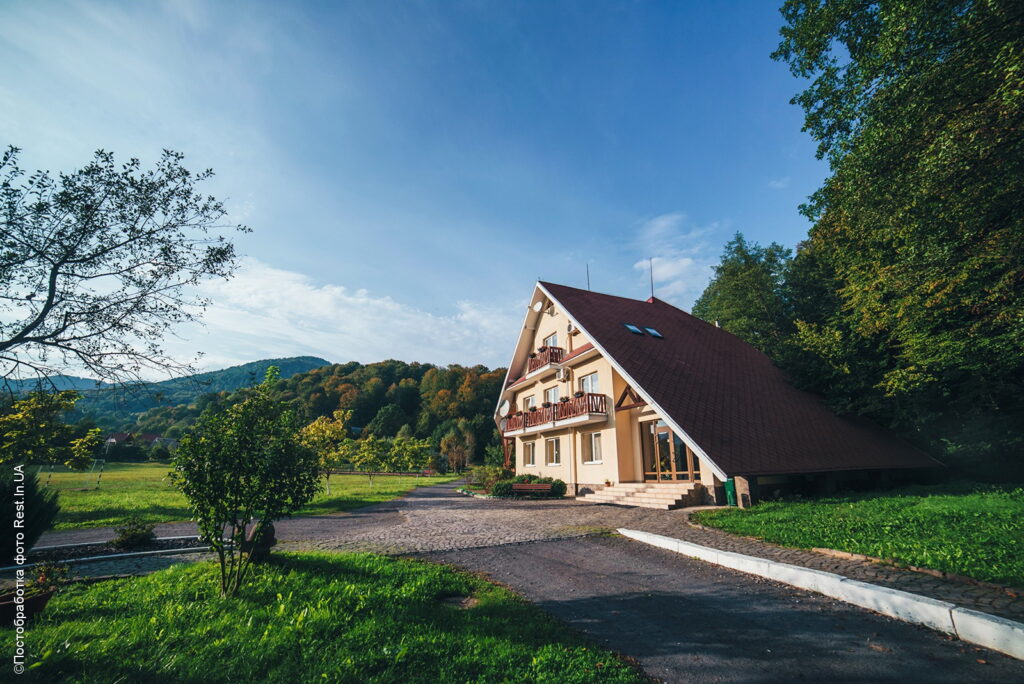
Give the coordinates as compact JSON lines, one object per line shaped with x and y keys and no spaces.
{"x":134,"y":533}
{"x":485,"y":475}
{"x":906,"y":302}
{"x":967,"y":529}
{"x":41,"y":508}
{"x":503,"y":488}
{"x":388,"y":421}
{"x":309,"y":618}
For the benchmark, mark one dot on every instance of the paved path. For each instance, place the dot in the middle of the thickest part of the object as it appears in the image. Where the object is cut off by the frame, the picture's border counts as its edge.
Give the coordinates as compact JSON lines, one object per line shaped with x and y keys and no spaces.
{"x":689,"y":621}
{"x":437,"y":519}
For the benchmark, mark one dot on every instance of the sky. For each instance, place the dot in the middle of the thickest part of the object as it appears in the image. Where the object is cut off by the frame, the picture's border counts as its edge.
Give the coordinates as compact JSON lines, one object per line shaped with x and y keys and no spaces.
{"x":410,"y":169}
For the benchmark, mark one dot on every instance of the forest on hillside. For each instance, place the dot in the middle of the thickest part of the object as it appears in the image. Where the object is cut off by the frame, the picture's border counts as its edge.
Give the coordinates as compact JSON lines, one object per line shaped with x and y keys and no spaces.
{"x":387,"y":399}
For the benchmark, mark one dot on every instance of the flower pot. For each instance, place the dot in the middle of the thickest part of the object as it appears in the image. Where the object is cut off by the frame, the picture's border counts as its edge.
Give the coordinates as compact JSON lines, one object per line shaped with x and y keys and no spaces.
{"x":542,"y":349}
{"x":33,"y":606}
{"x":564,"y":400}
{"x":532,"y":409}
{"x":546,"y":404}
{"x":579,"y":394}
{"x":533,"y":355}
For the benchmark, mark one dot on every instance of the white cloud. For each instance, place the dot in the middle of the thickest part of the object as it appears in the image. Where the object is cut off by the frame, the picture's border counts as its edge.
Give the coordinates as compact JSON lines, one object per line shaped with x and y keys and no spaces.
{"x":779,"y":183}
{"x":682,"y":258}
{"x":268,"y":312}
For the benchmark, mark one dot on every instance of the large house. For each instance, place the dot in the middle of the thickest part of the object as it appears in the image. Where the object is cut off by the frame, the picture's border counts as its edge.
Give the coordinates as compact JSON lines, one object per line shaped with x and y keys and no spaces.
{"x":638,"y":402}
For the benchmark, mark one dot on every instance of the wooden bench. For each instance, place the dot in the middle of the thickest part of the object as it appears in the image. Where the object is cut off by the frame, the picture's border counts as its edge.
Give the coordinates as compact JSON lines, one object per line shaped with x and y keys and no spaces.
{"x":531,"y":488}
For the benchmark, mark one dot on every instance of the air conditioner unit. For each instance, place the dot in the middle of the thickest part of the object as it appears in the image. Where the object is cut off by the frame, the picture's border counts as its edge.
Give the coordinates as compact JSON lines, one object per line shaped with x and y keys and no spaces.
{"x":563,"y":374}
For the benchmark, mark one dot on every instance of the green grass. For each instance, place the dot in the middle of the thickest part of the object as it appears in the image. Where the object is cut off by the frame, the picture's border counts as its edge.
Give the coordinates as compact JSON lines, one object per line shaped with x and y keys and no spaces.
{"x":143,"y":488}
{"x":967,"y":529}
{"x":306,"y":618}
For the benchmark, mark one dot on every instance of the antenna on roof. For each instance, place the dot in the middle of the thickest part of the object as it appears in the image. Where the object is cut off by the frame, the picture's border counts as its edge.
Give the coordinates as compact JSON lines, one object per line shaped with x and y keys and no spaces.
{"x":588,"y":276}
{"x":652,"y":276}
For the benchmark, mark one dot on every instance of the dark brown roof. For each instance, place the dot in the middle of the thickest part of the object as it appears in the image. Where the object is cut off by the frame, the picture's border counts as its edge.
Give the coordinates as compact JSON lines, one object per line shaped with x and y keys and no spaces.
{"x":728,"y":396}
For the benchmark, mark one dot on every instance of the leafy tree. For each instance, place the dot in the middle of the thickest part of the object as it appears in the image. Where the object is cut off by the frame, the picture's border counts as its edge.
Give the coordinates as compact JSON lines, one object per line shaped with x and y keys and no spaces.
{"x":409,"y":454}
{"x":329,"y":439}
{"x":32,"y":431}
{"x":245,"y":465}
{"x":456,"y":447}
{"x":98,"y":264}
{"x":746,"y":295}
{"x":388,"y":421}
{"x":918,"y":107}
{"x":373,"y":456}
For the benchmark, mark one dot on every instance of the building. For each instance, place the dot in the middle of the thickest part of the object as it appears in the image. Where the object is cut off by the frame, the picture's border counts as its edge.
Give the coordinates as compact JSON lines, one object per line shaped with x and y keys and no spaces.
{"x":638,"y":402}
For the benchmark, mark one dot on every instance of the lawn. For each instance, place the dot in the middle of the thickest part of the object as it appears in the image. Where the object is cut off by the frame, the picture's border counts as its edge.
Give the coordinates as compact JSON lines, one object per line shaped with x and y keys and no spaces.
{"x":305,"y":618}
{"x":967,"y":529}
{"x":143,"y":488}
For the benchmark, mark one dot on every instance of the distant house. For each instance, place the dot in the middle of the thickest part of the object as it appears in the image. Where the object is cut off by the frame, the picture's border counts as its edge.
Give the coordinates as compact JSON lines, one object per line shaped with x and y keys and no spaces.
{"x":638,"y":402}
{"x":118,"y":438}
{"x":146,"y":438}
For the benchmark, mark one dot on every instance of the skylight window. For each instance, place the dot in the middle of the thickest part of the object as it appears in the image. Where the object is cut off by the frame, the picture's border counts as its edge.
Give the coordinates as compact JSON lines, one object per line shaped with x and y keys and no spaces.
{"x":633,"y":329}
{"x":654,"y":333}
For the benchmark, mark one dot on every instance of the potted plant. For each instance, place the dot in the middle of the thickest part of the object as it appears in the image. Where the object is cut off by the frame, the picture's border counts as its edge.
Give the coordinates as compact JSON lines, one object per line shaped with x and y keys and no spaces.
{"x":579,"y":394}
{"x":564,"y":400}
{"x":532,"y":409}
{"x":542,"y":349}
{"x":607,"y":483}
{"x":37,"y":593}
{"x":546,"y":404}
{"x":533,"y":355}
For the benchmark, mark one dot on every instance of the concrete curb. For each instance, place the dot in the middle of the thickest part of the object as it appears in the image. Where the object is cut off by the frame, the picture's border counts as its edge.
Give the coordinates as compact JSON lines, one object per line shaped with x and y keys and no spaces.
{"x":990,"y":631}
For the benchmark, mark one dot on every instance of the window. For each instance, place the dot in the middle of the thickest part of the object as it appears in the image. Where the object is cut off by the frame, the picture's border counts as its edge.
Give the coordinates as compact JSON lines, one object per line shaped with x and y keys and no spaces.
{"x":654,"y":333}
{"x":592,"y":447}
{"x":552,"y":451}
{"x":588,"y":383}
{"x":529,"y":455}
{"x":551,"y":395}
{"x":529,"y":402}
{"x":633,"y":329}
{"x":551,"y":340}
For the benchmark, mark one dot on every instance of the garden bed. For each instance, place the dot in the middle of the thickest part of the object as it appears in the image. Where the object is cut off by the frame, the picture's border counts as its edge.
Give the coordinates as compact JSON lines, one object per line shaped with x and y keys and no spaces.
{"x":71,"y":552}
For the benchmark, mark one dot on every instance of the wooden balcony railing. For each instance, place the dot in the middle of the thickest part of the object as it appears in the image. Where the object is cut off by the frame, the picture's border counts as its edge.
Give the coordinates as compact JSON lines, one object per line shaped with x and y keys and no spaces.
{"x":549,"y":355}
{"x":576,"y":406}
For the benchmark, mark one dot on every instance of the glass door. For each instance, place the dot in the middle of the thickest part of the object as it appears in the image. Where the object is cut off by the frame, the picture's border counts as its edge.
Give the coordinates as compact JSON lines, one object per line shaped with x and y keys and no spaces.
{"x":665,"y":456}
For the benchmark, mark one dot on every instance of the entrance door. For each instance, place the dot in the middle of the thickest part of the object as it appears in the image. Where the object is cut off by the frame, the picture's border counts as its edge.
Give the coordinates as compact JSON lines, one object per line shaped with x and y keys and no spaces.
{"x":666,"y":456}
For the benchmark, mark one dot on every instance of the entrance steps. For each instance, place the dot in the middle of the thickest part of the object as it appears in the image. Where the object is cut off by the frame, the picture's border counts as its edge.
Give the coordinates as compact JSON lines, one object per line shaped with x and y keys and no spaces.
{"x":661,"y":495}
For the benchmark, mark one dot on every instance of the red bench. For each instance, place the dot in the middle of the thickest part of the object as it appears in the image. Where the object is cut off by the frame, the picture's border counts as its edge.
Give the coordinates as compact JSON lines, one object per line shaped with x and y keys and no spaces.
{"x":531,"y":488}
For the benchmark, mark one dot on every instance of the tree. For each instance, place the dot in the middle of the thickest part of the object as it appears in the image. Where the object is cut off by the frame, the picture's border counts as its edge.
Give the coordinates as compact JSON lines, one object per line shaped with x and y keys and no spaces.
{"x":457,"y":446}
{"x":32,"y":432}
{"x":918,"y":108}
{"x":409,"y":454}
{"x":329,"y":439}
{"x":98,"y":264}
{"x":746,"y":294}
{"x":388,"y":421}
{"x":240,"y":466}
{"x":372,"y":456}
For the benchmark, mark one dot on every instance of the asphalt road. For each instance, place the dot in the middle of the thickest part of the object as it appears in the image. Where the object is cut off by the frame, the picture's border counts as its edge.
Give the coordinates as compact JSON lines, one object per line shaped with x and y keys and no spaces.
{"x":688,"y":621}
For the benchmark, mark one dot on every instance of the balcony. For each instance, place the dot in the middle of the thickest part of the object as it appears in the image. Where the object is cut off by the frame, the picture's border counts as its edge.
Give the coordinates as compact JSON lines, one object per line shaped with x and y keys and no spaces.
{"x":546,"y":357}
{"x":589,"y":408}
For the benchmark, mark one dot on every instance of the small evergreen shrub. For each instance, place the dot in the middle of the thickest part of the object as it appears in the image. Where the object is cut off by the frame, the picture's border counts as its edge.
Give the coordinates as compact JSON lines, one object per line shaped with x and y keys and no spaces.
{"x":557,"y":488}
{"x":41,"y":509}
{"x":502,"y":488}
{"x":135,"y":533}
{"x":524,"y":479}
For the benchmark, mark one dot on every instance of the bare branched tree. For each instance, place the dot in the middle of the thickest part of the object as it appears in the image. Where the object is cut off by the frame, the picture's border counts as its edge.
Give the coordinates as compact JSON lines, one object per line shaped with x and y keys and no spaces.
{"x":98,"y":265}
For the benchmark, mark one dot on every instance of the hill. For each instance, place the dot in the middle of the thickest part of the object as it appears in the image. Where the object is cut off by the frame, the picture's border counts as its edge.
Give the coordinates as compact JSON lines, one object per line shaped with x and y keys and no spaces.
{"x":118,"y":407}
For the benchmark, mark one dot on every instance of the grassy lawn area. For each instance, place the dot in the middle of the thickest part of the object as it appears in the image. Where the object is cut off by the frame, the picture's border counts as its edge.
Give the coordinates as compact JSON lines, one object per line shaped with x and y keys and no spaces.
{"x":143,"y":488}
{"x":967,"y":529}
{"x":305,"y":618}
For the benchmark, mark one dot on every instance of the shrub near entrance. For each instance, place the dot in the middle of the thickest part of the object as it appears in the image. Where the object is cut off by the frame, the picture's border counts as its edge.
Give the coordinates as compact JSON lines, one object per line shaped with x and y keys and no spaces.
{"x":503,"y":488}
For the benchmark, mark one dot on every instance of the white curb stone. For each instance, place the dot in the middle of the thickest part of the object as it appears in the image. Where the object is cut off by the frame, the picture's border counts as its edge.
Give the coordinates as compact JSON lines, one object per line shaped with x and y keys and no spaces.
{"x":990,"y":631}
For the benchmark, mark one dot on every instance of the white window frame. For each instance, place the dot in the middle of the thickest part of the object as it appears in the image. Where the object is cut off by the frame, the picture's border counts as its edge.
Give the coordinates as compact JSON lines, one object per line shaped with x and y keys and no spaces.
{"x":556,"y":451}
{"x":551,"y":395}
{"x":592,"y":377}
{"x":529,"y":401}
{"x":551,"y":340}
{"x":530,"y":454}
{"x":590,"y":439}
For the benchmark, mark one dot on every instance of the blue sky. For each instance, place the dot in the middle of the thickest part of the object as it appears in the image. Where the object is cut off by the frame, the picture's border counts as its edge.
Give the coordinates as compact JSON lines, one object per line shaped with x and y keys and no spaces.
{"x":410,"y":169}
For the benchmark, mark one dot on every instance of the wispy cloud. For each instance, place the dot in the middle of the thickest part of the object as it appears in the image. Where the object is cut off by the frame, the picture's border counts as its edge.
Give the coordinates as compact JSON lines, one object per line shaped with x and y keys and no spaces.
{"x":779,"y":183}
{"x":682,"y":256}
{"x":269,"y":312}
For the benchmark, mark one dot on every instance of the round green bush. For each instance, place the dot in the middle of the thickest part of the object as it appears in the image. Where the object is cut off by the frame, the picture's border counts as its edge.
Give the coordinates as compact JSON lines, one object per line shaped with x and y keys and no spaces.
{"x":557,"y":488}
{"x":502,"y":488}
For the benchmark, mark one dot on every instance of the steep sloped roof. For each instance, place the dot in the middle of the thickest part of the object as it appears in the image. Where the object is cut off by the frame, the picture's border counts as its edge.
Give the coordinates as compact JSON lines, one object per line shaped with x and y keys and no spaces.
{"x":726,"y":395}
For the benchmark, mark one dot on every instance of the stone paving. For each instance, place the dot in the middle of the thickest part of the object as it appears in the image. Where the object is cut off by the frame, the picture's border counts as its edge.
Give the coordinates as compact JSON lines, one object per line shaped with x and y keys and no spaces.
{"x":433,"y":519}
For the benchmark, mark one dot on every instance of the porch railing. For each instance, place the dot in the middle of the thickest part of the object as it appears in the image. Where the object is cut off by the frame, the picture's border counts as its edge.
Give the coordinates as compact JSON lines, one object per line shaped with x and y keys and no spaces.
{"x":549,"y":355}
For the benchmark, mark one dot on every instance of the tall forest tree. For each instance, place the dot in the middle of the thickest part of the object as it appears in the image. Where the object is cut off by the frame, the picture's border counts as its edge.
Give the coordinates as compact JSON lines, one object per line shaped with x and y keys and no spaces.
{"x":918,"y":106}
